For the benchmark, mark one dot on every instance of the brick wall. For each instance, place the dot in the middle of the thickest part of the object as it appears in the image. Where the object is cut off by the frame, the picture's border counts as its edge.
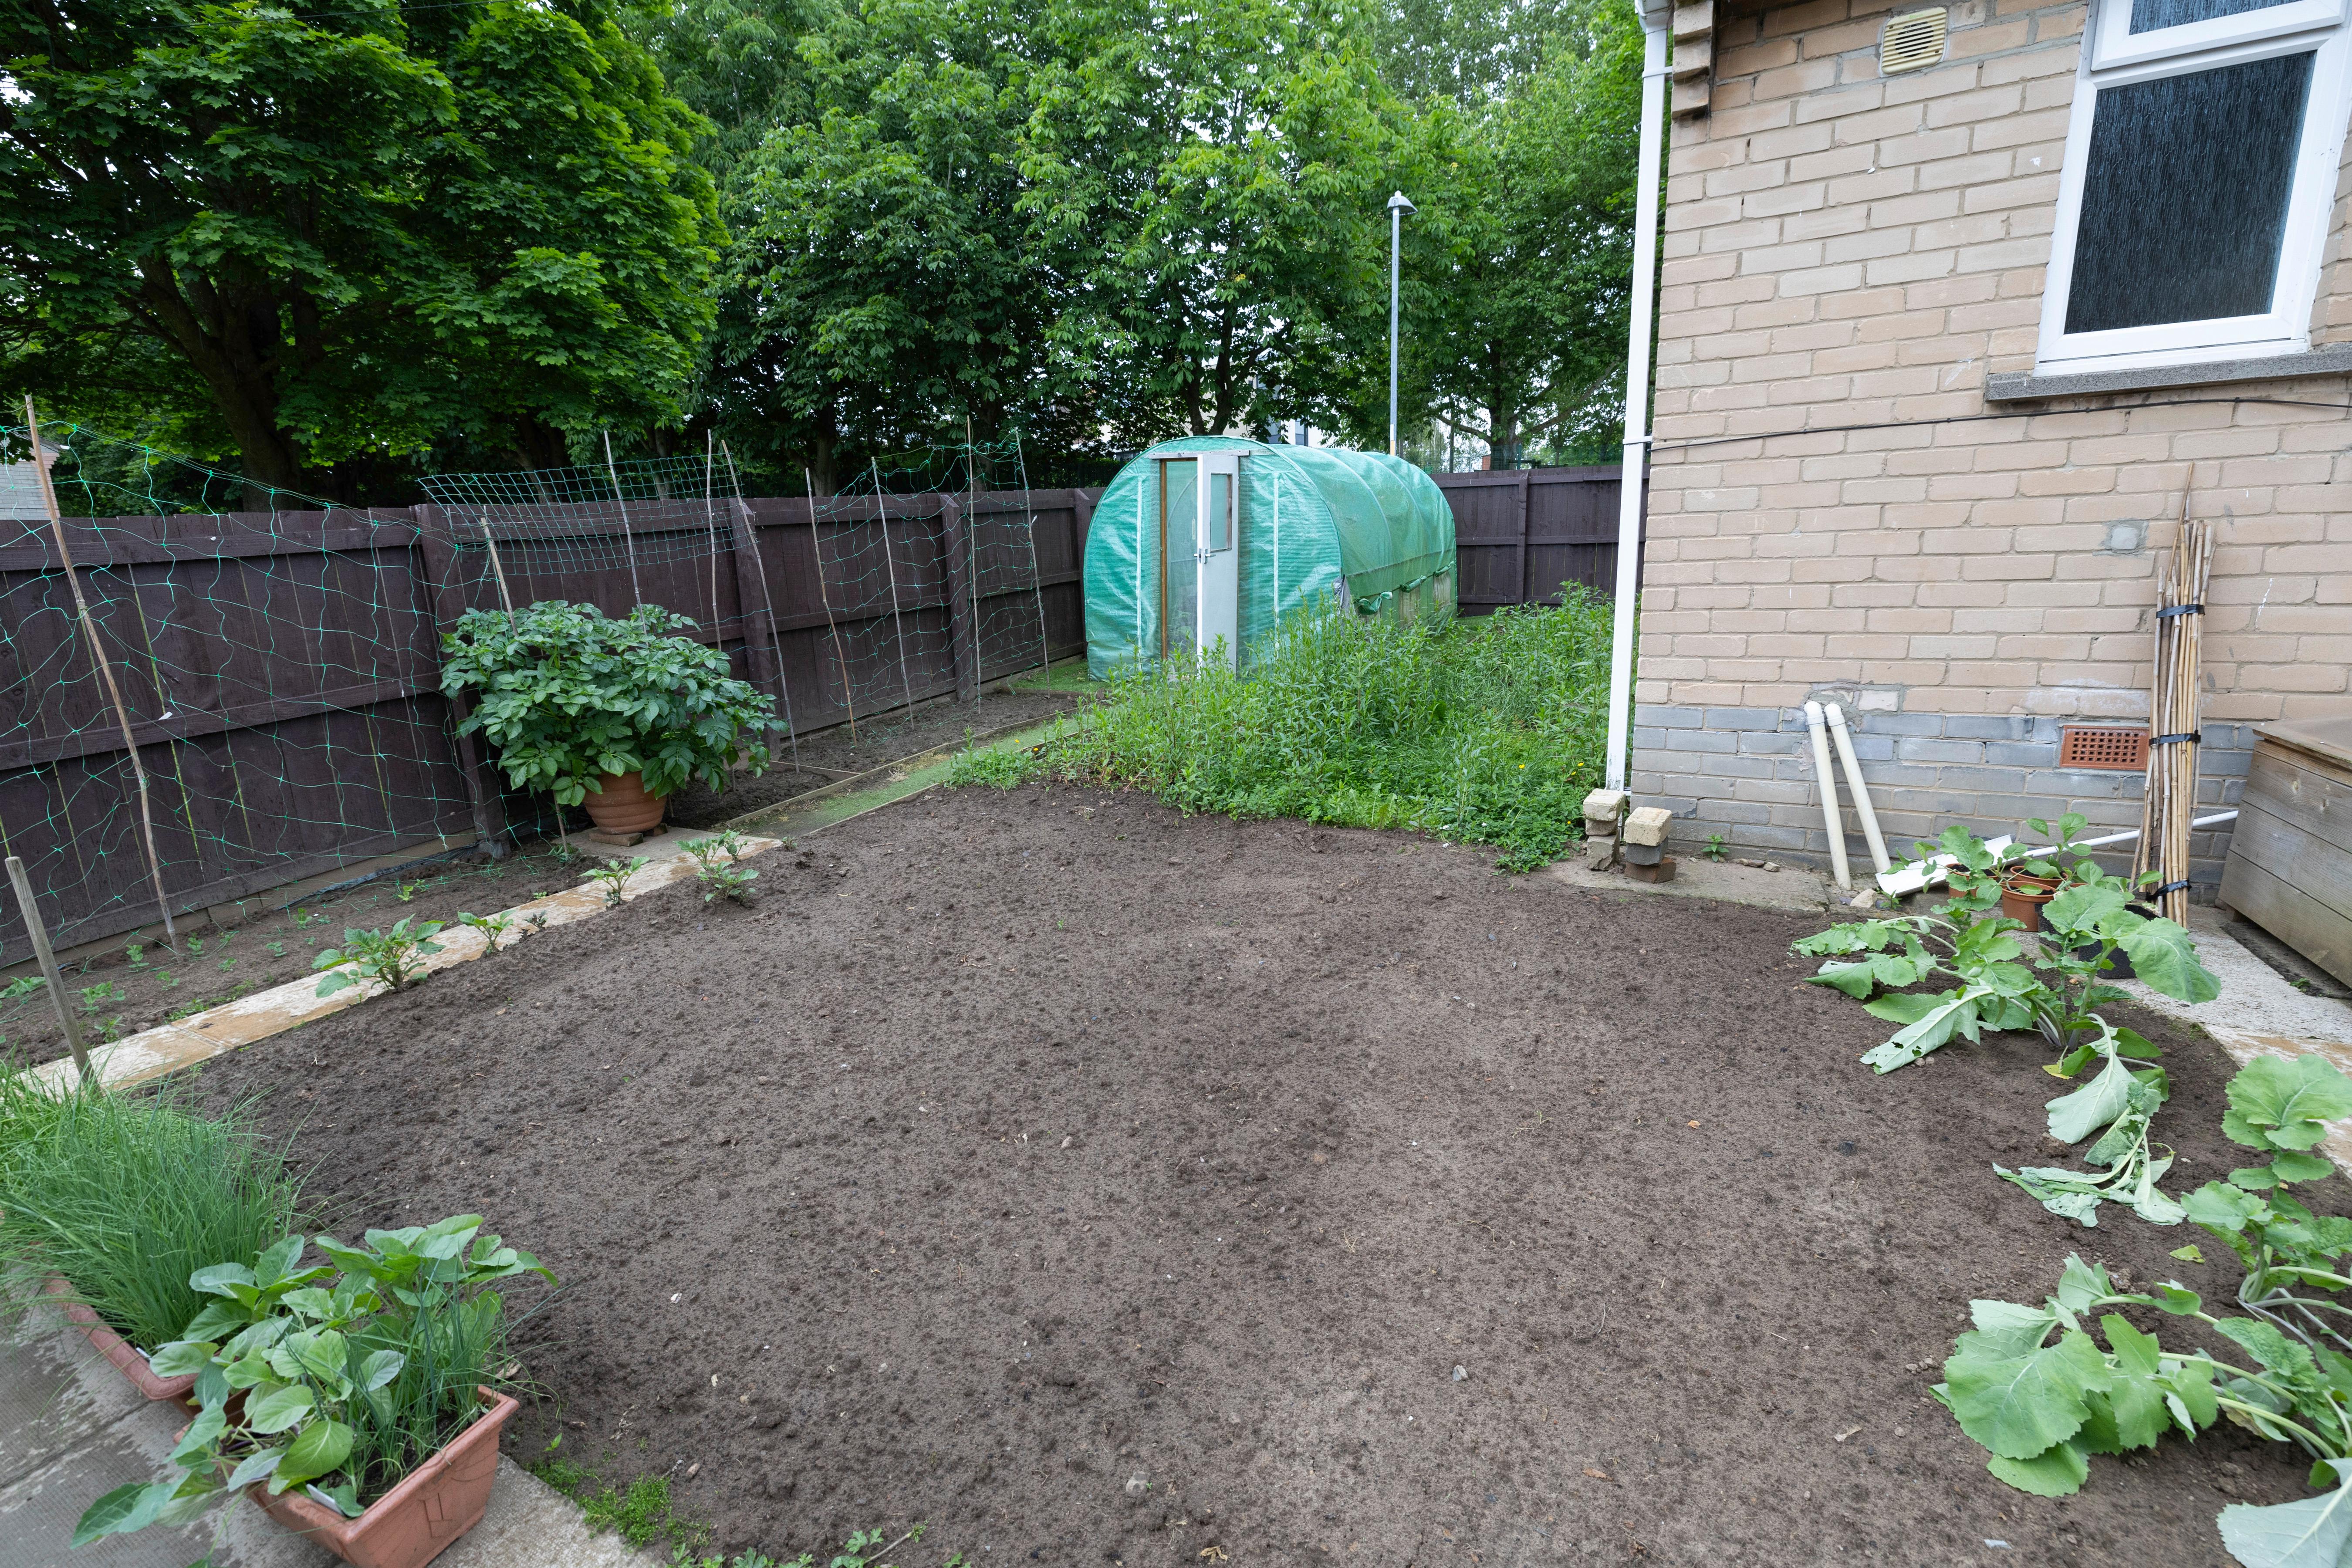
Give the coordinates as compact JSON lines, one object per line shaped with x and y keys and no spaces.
{"x":1839,"y":250}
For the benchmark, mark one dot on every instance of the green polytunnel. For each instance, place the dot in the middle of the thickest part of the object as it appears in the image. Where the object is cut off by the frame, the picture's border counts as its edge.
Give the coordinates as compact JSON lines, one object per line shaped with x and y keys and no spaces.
{"x":1208,"y":540}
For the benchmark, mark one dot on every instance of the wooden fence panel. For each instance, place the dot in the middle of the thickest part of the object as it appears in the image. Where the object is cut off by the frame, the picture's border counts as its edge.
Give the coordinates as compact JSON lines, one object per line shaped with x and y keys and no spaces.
{"x":1520,"y":533}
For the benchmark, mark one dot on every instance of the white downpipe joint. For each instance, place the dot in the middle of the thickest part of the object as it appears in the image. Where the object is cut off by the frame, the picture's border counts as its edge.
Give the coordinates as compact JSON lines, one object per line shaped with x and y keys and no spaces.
{"x":1860,"y":791}
{"x":1637,"y":389}
{"x":1819,"y":730}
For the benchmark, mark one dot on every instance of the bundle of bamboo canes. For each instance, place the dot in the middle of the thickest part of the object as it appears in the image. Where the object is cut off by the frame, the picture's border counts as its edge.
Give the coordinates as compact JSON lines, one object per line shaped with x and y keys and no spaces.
{"x":2171,"y":798}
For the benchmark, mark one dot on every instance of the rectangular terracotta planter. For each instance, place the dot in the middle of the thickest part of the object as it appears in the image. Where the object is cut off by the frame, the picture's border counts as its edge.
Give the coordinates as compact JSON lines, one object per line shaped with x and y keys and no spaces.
{"x":417,"y":1521}
{"x":117,"y":1350}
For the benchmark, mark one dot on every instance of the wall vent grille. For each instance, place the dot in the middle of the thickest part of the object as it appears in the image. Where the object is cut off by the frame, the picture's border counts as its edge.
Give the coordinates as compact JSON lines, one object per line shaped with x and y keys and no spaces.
{"x":2109,"y":747}
{"x":1912,"y":41}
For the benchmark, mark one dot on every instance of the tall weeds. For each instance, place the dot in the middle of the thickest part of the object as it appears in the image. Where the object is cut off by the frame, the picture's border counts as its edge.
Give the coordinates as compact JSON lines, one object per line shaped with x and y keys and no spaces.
{"x":1487,"y":731}
{"x":126,"y":1194}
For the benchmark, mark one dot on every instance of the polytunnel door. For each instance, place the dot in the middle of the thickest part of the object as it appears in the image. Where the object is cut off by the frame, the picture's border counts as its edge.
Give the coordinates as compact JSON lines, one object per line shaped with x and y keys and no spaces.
{"x":1179,"y":554}
{"x":1219,"y":535}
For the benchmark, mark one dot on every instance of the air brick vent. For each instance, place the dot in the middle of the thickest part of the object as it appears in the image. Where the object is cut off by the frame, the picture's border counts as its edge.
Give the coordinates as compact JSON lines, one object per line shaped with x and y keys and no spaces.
{"x":1912,"y":41}
{"x":2112,"y":748}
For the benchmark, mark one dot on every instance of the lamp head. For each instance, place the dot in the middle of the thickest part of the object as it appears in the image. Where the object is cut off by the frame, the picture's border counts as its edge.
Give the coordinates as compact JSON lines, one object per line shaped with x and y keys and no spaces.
{"x":1397,"y":204}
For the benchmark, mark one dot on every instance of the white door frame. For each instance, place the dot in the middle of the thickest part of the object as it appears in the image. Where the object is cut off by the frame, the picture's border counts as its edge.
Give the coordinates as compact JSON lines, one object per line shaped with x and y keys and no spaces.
{"x":1218,"y":544}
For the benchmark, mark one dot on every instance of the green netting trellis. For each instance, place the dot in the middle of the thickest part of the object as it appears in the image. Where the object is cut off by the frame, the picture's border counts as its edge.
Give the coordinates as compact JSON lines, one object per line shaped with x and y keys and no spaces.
{"x":275,"y":662}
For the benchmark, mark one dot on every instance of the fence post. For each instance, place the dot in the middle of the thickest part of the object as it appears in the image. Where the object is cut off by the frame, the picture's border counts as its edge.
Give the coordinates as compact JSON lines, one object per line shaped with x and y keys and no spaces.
{"x":1526,"y":526}
{"x":766,"y":659}
{"x":440,"y":555}
{"x":964,"y":635}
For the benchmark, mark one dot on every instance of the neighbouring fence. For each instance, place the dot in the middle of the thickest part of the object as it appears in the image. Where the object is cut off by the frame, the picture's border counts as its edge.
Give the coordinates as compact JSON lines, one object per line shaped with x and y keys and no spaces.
{"x":281,"y":670}
{"x":1520,"y":533}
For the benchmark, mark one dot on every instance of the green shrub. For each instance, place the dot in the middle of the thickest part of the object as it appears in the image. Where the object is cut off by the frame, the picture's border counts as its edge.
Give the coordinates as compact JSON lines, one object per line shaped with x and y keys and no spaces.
{"x":567,"y":694}
{"x":1489,"y":731}
{"x":126,"y":1194}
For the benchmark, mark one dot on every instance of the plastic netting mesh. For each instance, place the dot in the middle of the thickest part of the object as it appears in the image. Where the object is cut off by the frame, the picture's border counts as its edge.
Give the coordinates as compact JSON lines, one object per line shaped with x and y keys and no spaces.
{"x":269,"y":655}
{"x":873,"y":556}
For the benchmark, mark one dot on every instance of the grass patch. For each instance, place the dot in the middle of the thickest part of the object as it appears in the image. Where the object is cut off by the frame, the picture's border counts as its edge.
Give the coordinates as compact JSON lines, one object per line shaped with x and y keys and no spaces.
{"x":125,"y":1195}
{"x":1484,"y":731}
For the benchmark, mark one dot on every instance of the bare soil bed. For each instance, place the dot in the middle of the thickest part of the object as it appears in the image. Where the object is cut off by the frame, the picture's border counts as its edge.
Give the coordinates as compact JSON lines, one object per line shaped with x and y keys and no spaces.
{"x":121,"y":992}
{"x":1098,"y":1186}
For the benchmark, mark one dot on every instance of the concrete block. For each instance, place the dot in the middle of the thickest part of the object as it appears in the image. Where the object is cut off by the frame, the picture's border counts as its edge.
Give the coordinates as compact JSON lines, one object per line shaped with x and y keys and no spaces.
{"x":1921,"y":750}
{"x":1666,"y":718}
{"x":1600,"y":854}
{"x":1702,"y":741}
{"x":1982,"y":727}
{"x":1736,"y":719}
{"x":1605,"y":805}
{"x":1901,"y":723}
{"x":1642,"y":854}
{"x":2021,"y":754}
{"x":1648,"y":824}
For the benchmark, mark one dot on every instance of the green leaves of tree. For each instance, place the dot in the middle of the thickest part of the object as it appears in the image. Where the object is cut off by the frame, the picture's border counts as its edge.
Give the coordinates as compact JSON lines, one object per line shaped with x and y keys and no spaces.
{"x":345,"y":233}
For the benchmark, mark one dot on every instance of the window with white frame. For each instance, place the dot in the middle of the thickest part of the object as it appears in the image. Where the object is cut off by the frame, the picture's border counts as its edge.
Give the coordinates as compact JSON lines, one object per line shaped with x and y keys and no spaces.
{"x":2200,"y":176}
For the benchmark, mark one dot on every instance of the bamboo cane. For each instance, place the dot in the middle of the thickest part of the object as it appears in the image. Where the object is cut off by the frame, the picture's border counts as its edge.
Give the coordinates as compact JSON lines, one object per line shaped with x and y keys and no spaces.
{"x":106,"y":673}
{"x":2171,"y":796}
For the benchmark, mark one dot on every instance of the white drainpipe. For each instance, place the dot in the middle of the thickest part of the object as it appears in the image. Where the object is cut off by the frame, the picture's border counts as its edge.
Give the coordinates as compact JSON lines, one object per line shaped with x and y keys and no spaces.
{"x":1637,"y":386}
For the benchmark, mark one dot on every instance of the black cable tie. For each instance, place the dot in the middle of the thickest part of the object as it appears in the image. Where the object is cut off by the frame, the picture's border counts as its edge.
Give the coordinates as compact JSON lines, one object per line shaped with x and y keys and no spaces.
{"x":2169,"y":887}
{"x":2175,"y":739}
{"x":2180,"y":610}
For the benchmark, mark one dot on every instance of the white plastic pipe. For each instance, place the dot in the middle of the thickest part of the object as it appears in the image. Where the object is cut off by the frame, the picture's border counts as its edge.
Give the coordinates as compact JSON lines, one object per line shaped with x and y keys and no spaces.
{"x":1637,"y":388}
{"x":1815,"y":727}
{"x":1860,"y":791}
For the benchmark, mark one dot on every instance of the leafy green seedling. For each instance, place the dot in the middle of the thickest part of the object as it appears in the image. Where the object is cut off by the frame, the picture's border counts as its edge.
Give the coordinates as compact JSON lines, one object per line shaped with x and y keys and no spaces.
{"x":395,"y":959}
{"x":1716,"y":848}
{"x":166,"y":979}
{"x":614,"y":875}
{"x":136,"y":952}
{"x":195,"y":944}
{"x":726,"y":878}
{"x":277,"y":950}
{"x":409,"y":891}
{"x":23,"y":986}
{"x":492,"y":928}
{"x":94,"y":997}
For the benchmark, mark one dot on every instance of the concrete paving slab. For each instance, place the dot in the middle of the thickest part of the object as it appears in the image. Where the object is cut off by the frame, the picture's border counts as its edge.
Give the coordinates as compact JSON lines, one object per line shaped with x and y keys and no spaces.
{"x":1728,"y":881}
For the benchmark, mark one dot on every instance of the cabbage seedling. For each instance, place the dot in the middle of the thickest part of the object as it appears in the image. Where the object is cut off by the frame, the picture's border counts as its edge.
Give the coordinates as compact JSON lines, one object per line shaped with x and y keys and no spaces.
{"x":727,"y":879}
{"x":492,"y":928}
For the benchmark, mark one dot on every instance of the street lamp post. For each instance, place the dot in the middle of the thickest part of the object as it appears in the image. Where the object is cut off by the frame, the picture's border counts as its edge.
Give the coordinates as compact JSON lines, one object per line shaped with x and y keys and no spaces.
{"x":1398,"y":208}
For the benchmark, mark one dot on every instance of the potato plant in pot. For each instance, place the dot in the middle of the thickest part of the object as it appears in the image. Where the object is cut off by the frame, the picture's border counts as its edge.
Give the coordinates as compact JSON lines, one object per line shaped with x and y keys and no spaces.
{"x":611,"y":715}
{"x":357,"y":1401}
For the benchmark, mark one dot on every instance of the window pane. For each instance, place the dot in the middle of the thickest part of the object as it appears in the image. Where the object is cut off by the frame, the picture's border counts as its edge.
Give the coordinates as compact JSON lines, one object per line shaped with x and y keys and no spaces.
{"x":2150,"y":16}
{"x":2185,"y":195}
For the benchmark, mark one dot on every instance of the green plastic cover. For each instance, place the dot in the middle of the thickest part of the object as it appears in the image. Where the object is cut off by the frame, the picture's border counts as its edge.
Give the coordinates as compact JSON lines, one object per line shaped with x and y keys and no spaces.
{"x":1315,"y":522}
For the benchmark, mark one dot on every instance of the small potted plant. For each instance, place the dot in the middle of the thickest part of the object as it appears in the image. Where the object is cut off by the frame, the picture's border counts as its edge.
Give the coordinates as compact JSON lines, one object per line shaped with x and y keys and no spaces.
{"x":356,"y":1401}
{"x":611,"y":715}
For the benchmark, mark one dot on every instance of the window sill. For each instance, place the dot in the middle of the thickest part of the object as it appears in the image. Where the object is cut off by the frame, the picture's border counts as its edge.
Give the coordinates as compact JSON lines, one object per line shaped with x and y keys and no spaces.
{"x":2019,"y":386}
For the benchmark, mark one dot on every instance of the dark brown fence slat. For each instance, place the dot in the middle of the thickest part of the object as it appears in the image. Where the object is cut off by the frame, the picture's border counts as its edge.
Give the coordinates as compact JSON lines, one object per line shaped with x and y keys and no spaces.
{"x":449,"y":608}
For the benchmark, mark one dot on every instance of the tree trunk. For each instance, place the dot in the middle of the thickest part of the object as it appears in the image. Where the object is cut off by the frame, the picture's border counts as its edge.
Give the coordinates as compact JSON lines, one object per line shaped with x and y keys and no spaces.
{"x":233,"y":348}
{"x":825,"y":443}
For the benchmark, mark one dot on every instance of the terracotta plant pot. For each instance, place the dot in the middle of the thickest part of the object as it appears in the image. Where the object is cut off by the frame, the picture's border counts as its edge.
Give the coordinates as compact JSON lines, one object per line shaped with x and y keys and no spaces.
{"x":117,"y":1350}
{"x":623,"y":807}
{"x":417,"y":1521}
{"x":2022,"y":895}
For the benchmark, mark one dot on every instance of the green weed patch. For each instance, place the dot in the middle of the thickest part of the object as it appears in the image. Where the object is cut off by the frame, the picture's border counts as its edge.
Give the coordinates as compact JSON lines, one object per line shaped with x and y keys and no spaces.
{"x":1484,"y":731}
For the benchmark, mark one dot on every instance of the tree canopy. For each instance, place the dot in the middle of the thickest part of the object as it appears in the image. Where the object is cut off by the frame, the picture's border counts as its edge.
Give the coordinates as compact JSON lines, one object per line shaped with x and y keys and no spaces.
{"x":342,"y":245}
{"x":352,"y":236}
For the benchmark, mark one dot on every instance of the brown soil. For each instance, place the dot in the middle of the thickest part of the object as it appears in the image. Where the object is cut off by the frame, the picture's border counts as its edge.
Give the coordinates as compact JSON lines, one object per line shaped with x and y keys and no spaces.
{"x":830,"y":755}
{"x":217,"y":964}
{"x":1100,"y":1185}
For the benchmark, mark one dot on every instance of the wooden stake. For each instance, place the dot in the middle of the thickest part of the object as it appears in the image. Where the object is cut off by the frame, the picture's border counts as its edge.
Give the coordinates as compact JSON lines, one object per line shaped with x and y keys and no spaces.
{"x":106,"y":672}
{"x":40,"y":936}
{"x":890,"y":559}
{"x":825,"y":598}
{"x":637,"y":594}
